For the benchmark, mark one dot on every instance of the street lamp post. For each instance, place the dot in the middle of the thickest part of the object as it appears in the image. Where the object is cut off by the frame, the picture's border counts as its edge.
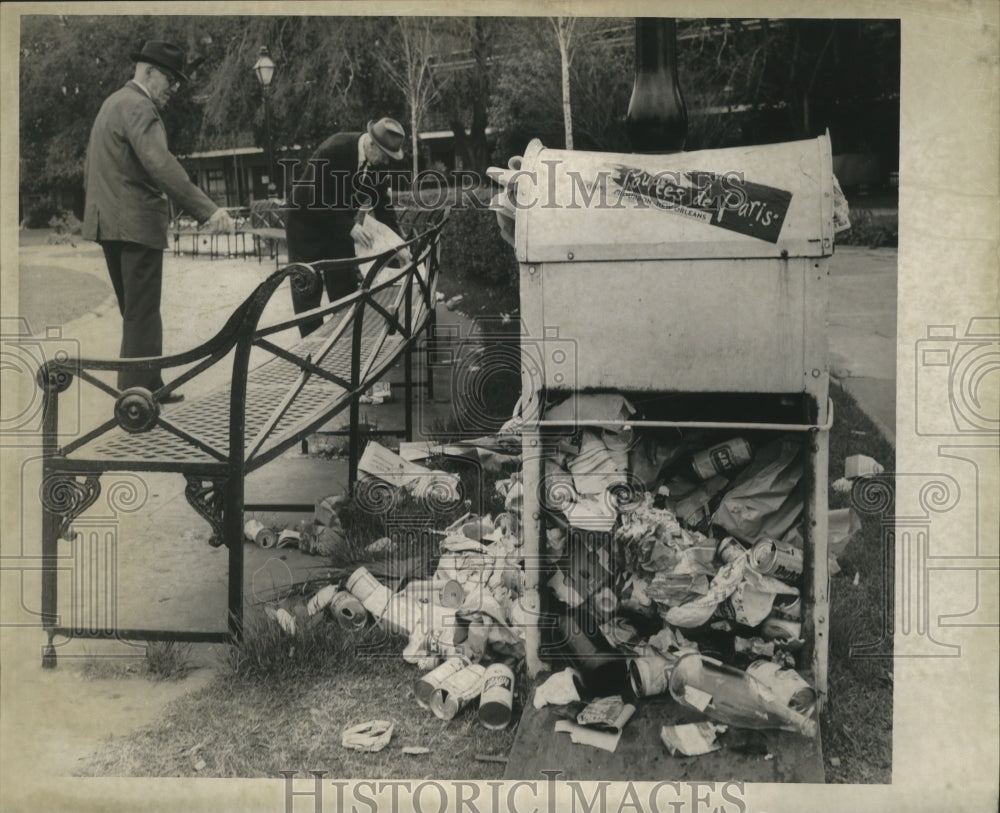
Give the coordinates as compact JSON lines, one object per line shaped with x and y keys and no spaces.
{"x":657,"y":117}
{"x":264,"y":70}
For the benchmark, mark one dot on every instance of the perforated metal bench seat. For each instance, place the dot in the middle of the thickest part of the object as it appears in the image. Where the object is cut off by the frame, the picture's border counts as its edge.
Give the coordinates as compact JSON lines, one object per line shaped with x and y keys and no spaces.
{"x":215,"y":439}
{"x":269,"y":420}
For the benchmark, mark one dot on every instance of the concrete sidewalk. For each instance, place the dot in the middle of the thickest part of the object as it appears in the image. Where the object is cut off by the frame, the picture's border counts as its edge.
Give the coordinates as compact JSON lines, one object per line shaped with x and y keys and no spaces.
{"x":862,"y":330}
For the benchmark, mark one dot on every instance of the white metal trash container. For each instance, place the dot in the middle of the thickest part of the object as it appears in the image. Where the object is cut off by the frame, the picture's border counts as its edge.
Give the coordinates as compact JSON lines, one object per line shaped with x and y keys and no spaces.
{"x":698,"y":278}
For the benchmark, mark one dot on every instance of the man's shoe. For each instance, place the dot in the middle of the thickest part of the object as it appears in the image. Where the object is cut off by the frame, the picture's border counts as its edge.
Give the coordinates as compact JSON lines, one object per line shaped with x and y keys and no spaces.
{"x":172,"y":398}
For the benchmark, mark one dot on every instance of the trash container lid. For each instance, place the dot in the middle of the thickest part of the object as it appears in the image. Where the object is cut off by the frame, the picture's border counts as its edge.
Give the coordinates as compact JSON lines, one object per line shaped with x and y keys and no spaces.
{"x":762,"y":201}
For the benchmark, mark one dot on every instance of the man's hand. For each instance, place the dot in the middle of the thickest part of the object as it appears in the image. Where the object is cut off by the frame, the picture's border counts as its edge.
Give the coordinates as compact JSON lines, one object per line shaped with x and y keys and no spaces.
{"x":220,"y":221}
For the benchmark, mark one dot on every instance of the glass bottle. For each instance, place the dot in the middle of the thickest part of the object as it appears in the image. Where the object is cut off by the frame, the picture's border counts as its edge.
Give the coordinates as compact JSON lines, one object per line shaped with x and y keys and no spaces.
{"x":732,"y":697}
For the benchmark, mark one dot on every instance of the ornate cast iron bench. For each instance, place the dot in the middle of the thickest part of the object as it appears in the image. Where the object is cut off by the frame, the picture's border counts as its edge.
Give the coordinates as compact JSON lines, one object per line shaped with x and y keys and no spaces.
{"x":215,"y":440}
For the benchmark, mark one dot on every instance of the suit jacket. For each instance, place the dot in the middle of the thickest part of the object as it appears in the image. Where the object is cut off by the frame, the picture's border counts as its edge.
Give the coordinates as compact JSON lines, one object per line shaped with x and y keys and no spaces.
{"x":327,"y":199}
{"x":129,"y":172}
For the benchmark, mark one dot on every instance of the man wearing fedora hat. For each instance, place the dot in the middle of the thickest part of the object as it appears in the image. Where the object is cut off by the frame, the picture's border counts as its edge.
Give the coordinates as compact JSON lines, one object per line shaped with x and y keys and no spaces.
{"x":128,"y":175}
{"x":339,"y":186}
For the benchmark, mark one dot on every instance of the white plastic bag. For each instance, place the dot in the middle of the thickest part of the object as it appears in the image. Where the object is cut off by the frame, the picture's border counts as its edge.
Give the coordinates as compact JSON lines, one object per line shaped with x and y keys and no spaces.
{"x":373,"y":237}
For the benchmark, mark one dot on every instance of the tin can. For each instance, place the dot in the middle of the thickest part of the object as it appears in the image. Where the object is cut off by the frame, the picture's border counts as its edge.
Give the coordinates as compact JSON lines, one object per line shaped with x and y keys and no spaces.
{"x":648,"y":675}
{"x":789,"y":687}
{"x":349,"y":612}
{"x":722,"y":458}
{"x":457,"y":691}
{"x":426,"y":686}
{"x":369,"y":591}
{"x":256,"y":532}
{"x":497,"y":699}
{"x":772,"y":558}
{"x":729,"y":549}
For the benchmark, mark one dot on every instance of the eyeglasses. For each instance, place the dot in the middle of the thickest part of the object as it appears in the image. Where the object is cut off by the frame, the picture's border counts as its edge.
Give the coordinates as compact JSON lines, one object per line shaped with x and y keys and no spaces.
{"x":173,"y":81}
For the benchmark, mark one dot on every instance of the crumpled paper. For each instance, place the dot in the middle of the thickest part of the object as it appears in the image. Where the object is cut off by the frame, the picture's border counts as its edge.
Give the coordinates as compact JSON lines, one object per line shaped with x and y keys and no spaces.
{"x":371,"y":736}
{"x":559,"y":689}
{"x":691,"y":739}
{"x":726,"y":582}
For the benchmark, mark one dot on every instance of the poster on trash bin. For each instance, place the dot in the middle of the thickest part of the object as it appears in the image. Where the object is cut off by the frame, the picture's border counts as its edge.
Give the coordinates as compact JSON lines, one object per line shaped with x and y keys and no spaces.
{"x":728,"y":202}
{"x":174,"y":232}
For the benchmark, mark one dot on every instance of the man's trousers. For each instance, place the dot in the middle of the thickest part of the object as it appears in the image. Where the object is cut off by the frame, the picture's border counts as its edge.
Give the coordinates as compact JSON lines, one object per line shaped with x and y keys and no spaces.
{"x":338,"y":283}
{"x":137,"y":276}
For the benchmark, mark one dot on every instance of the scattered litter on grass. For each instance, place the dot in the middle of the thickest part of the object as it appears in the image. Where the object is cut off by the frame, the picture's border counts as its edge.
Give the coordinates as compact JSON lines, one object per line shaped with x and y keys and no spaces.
{"x":284,"y":618}
{"x":371,"y":736}
{"x":860,"y":465}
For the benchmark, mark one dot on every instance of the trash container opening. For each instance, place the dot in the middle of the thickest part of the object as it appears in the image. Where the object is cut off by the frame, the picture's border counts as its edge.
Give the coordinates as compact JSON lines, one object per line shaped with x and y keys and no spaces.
{"x":563,"y":408}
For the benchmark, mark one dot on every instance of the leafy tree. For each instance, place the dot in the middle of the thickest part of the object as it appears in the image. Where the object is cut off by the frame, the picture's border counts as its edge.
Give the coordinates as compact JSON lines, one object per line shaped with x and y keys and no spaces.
{"x":529,"y":80}
{"x":327,"y":80}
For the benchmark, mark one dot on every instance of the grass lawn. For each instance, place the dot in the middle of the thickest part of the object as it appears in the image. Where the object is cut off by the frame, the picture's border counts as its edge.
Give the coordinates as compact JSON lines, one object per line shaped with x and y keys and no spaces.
{"x":256,"y":728}
{"x":857,"y":720}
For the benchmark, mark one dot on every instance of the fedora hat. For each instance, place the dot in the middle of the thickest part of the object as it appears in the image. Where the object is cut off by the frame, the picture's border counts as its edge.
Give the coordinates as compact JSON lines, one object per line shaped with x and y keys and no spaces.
{"x":389,"y":135}
{"x":164,"y":55}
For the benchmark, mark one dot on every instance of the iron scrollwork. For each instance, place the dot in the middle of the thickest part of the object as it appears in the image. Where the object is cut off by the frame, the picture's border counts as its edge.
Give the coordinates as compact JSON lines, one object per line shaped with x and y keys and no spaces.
{"x":207,"y":499}
{"x":63,"y":494}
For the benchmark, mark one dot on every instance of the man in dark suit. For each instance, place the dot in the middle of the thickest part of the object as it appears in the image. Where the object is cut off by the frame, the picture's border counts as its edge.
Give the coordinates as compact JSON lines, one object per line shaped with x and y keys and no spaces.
{"x":128,"y":175}
{"x":339,"y":186}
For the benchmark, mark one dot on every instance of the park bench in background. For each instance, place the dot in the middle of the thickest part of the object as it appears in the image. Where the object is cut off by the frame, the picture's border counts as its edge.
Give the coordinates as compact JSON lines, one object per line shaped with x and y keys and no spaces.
{"x":215,"y":440}
{"x":266,"y":224}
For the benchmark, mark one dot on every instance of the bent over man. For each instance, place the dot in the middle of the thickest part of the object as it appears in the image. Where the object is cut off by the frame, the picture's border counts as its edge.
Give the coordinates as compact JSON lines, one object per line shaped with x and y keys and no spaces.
{"x":343,"y":184}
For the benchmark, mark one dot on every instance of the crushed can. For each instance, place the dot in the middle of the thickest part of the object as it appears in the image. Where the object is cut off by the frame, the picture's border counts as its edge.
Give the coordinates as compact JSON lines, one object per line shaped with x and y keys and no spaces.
{"x":261,"y":535}
{"x":457,"y":691}
{"x":782,"y":631}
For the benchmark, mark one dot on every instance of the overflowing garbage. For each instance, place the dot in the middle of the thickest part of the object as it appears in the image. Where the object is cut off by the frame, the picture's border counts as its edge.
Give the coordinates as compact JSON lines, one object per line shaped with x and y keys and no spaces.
{"x":671,"y":567}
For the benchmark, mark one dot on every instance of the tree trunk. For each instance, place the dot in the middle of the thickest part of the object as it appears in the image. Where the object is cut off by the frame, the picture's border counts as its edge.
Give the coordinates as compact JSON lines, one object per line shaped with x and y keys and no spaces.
{"x":566,"y":102}
{"x":415,"y":143}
